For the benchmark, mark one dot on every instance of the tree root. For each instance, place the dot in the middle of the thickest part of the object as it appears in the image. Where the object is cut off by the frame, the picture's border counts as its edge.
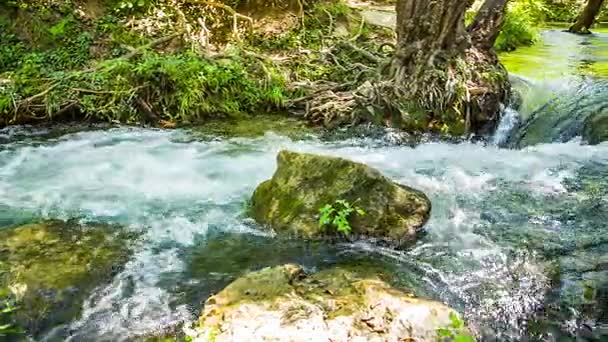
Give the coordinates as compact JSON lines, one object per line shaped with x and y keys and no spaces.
{"x":235,"y":15}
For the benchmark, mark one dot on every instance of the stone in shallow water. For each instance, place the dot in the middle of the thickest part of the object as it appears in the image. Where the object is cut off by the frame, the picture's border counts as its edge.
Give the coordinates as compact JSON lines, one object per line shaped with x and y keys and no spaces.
{"x":50,"y":267}
{"x":303,"y":183}
{"x":285,"y":304}
{"x":595,"y":130}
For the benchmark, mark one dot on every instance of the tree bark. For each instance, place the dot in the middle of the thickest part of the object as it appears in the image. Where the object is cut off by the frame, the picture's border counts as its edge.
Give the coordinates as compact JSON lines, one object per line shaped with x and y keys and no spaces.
{"x":486,"y":26}
{"x":448,"y":71}
{"x":587,"y":17}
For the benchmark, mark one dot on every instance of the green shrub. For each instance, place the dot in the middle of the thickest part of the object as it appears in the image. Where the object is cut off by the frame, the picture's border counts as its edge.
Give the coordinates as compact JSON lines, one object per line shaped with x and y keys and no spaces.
{"x":181,"y":88}
{"x":519,"y":27}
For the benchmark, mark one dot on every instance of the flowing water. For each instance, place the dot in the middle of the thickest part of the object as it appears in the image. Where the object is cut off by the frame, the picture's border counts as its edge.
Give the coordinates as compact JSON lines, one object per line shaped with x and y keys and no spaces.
{"x":517,"y":241}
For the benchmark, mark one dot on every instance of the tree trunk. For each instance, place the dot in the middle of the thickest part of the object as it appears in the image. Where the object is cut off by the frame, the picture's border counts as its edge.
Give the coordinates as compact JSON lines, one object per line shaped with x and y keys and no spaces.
{"x":587,"y":18}
{"x":448,"y":75}
{"x":486,"y":26}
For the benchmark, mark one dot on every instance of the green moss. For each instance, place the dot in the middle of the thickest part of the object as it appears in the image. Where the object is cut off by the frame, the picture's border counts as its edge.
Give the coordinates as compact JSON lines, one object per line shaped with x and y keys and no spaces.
{"x":50,"y":268}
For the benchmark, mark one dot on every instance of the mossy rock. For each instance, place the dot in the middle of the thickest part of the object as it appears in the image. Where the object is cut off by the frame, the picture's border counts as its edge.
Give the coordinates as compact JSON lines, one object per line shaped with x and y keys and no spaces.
{"x":50,"y":268}
{"x":304,"y":183}
{"x":284,"y":303}
{"x":595,"y":130}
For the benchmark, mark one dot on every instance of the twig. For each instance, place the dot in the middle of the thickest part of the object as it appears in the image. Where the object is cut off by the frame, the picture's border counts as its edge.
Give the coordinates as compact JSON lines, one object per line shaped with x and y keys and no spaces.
{"x":312,"y":95}
{"x":34,"y":97}
{"x":152,"y":44}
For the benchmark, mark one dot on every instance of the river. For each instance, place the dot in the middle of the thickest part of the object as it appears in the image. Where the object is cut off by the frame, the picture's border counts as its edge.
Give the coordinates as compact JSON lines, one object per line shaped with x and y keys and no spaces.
{"x":515,"y":241}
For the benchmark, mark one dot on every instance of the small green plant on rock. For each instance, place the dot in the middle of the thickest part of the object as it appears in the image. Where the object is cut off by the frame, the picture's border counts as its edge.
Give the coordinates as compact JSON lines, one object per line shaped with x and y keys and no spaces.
{"x":336,"y":215}
{"x":455,"y":331}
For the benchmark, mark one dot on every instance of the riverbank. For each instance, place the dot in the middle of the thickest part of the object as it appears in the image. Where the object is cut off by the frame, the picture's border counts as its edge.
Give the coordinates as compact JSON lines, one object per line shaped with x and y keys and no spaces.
{"x":163,"y":65}
{"x":182,"y":64}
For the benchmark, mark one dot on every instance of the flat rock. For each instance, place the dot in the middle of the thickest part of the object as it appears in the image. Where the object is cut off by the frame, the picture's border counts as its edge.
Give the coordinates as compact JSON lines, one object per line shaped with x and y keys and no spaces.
{"x":285,"y":304}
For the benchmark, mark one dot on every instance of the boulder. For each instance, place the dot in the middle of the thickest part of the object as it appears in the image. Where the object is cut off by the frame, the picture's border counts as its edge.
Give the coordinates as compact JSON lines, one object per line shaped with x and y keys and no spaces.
{"x":304,"y":183}
{"x":566,"y":117}
{"x":285,"y":304}
{"x":50,"y":268}
{"x":595,"y":130}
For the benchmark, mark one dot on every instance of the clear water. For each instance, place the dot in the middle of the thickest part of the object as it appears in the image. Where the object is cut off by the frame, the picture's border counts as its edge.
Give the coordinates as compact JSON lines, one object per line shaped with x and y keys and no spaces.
{"x":557,"y":64}
{"x":515,"y":239}
{"x":188,"y":196}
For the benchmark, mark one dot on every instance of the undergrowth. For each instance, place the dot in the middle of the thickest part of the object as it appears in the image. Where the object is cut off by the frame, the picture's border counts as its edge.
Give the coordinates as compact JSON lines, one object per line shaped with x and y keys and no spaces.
{"x":105,"y":69}
{"x":520,"y":25}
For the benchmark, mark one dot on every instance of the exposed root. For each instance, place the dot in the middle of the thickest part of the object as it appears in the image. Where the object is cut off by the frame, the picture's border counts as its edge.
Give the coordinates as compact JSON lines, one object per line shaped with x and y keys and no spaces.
{"x":26,"y":108}
{"x":235,"y":15}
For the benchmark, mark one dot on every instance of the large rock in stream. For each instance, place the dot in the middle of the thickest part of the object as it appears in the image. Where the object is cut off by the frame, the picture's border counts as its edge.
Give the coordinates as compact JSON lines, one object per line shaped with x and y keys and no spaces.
{"x":339,"y":304}
{"x":49,"y":269}
{"x":304,"y":183}
{"x":595,"y":130}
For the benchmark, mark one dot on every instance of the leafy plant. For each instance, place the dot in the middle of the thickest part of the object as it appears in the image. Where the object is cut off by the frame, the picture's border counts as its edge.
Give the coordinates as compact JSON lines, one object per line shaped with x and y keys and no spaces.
{"x":519,"y":27}
{"x":455,"y":331}
{"x":337,"y":214}
{"x":6,"y":328}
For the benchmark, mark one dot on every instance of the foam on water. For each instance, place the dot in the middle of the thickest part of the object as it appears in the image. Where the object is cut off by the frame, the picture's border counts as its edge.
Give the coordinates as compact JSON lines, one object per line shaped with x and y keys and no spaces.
{"x":176,"y":190}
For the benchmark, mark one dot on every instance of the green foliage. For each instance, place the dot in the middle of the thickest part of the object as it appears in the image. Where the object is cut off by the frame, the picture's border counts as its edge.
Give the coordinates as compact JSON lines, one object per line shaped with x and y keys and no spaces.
{"x":519,"y":27}
{"x":6,"y":328}
{"x":11,"y":48}
{"x":132,"y":6}
{"x":336,"y":215}
{"x":455,"y":331}
{"x":180,"y":88}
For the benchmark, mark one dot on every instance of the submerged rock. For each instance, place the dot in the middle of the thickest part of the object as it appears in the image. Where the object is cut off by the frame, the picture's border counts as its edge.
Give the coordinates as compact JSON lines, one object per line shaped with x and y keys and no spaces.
{"x":595,"y":130}
{"x":304,"y":183}
{"x":49,"y":268}
{"x":567,"y":117}
{"x":285,"y":304}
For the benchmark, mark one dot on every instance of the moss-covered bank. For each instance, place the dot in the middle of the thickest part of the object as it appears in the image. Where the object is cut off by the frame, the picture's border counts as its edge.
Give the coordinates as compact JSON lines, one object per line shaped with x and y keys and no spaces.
{"x":170,"y":63}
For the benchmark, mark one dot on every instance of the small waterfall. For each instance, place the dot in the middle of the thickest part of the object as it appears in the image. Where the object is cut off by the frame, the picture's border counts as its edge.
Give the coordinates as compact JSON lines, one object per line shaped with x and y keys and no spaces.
{"x":563,"y":117}
{"x":509,"y":121}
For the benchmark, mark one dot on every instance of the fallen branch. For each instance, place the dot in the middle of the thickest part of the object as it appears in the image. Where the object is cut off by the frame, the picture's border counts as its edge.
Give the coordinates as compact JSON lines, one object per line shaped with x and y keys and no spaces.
{"x":370,"y":56}
{"x":137,"y":51}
